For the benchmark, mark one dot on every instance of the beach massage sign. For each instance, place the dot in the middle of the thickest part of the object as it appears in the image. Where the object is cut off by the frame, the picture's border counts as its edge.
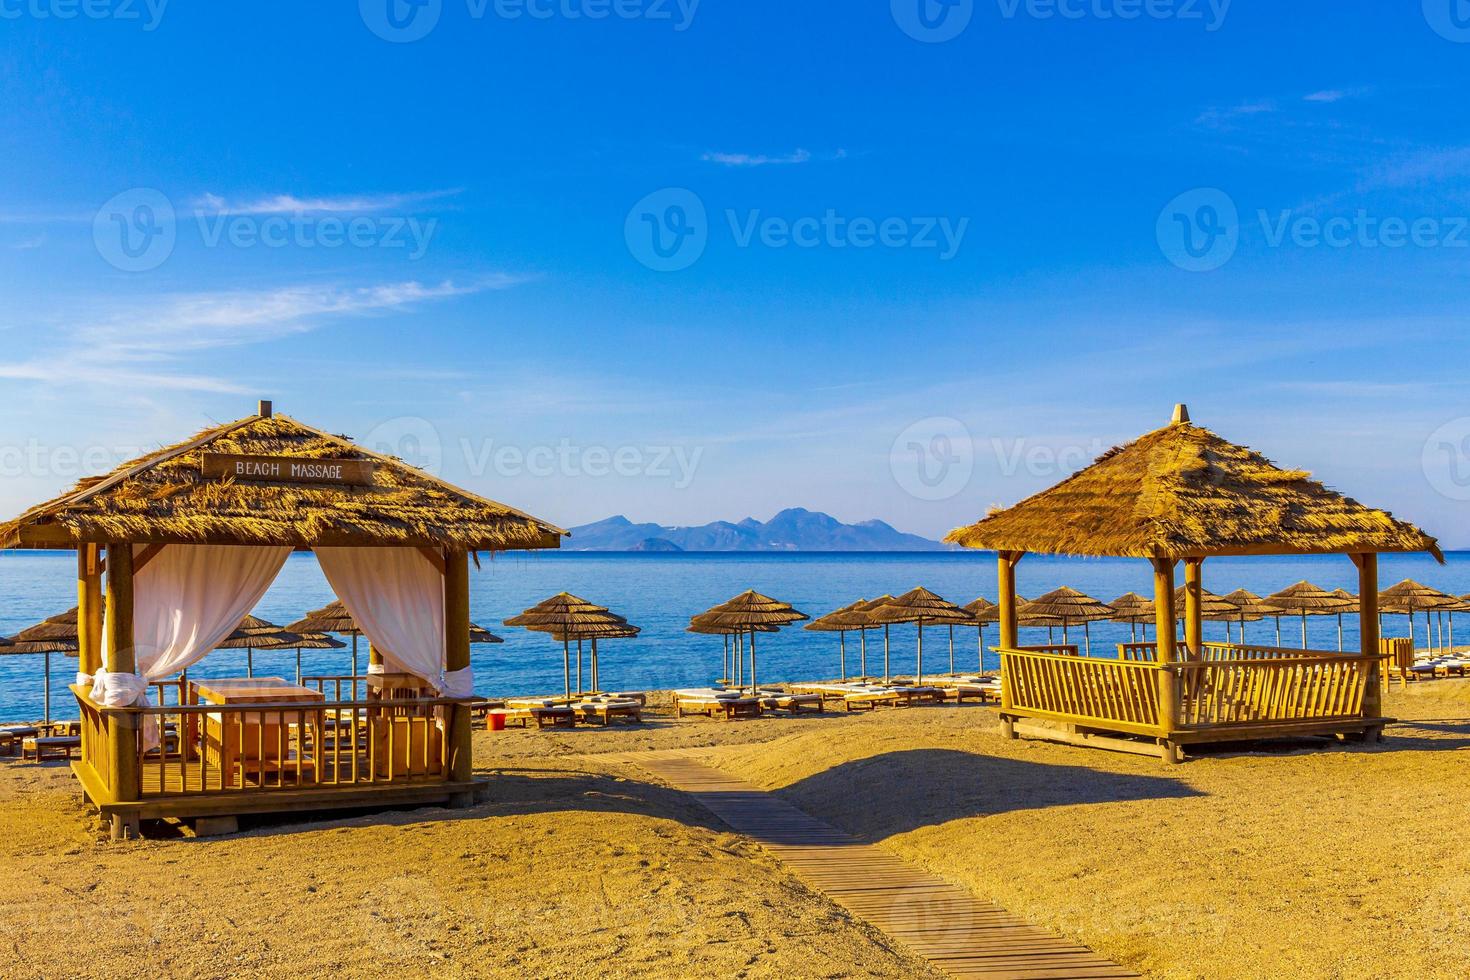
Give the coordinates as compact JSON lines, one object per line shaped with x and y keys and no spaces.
{"x":288,"y":469}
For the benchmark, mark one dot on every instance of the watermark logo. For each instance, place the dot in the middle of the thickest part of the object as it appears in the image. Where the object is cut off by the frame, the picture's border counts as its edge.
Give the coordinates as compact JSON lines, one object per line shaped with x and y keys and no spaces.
{"x":1210,"y":13}
{"x":401,"y":21}
{"x":148,"y":13}
{"x":1449,"y":18}
{"x":136,"y":231}
{"x":1199,"y":230}
{"x":676,"y":465}
{"x":933,"y":459}
{"x":668,"y":230}
{"x":933,"y":21}
{"x":414,"y":440}
{"x":1446,"y":459}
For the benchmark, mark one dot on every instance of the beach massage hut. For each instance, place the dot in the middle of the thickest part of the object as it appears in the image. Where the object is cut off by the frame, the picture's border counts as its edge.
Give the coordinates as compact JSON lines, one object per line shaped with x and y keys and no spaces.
{"x":1182,"y":494}
{"x":185,"y":541}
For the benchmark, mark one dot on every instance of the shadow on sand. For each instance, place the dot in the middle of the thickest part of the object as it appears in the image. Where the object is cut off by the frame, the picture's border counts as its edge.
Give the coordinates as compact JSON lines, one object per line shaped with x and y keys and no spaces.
{"x":897,"y":792}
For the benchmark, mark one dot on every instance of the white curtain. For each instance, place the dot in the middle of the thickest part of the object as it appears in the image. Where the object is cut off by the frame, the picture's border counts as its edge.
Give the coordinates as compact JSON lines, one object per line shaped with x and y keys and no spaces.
{"x":186,"y":601}
{"x":190,"y":598}
{"x":396,"y":596}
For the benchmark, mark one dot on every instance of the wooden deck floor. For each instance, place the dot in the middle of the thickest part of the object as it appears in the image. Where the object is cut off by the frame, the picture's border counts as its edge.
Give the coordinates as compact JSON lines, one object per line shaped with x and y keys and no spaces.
{"x":941,"y":922}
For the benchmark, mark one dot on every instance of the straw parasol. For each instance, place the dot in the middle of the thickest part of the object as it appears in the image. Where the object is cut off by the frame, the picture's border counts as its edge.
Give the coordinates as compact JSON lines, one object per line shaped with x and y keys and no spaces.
{"x":568,"y":617}
{"x":982,"y":612}
{"x":303,"y":641}
{"x":1213,"y":608}
{"x":333,"y":618}
{"x":1135,"y":610}
{"x":1070,"y":607}
{"x":1409,"y":597}
{"x":746,"y":611}
{"x":1305,"y":599}
{"x":860,"y":616}
{"x":57,"y":634}
{"x":1251,"y":608}
{"x":619,"y":630}
{"x":834,"y":622}
{"x":254,"y":634}
{"x":922,"y":606}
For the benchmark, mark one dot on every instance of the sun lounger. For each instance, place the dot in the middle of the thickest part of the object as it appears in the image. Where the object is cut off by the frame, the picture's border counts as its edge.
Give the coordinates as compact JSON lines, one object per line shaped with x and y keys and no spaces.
{"x":713,"y":704}
{"x":870,"y":700}
{"x":544,"y":717}
{"x":56,"y":746}
{"x":794,"y":703}
{"x":605,"y":710}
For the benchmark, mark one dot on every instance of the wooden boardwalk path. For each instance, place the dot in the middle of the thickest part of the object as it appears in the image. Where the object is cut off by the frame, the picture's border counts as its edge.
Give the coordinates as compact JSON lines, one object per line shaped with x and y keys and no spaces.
{"x":941,"y":922}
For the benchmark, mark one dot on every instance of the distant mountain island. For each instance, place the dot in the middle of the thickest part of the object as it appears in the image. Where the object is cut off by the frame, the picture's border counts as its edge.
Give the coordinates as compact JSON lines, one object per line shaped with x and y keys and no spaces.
{"x":791,"y":530}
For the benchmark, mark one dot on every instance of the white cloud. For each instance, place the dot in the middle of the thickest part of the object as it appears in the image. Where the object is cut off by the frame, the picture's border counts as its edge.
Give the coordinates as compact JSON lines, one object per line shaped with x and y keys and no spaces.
{"x":295,"y":204}
{"x":157,"y":331}
{"x":1329,"y":95}
{"x":757,"y":160}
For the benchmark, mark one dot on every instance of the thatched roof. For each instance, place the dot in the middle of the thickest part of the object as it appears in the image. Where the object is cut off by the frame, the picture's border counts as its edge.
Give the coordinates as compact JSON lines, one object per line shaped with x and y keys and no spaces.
{"x":1068,"y":606}
{"x":834,"y":622}
{"x":1410,"y":596}
{"x":1184,"y":492}
{"x":165,"y":498}
{"x":982,"y":611}
{"x":1130,"y":607}
{"x":568,"y":617}
{"x":1249,"y":604}
{"x":332,"y":618}
{"x":306,"y":641}
{"x":1306,"y":599}
{"x":749,"y":609}
{"x":1212,"y":607}
{"x":920,"y":606}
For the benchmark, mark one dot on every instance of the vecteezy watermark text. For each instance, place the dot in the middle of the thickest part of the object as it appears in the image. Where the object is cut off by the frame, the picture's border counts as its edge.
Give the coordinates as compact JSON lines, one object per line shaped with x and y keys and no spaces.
{"x":147,"y":13}
{"x":937,"y":21}
{"x":406,"y":21}
{"x":677,"y":464}
{"x":1200,"y":230}
{"x":137,"y":230}
{"x":669,"y":230}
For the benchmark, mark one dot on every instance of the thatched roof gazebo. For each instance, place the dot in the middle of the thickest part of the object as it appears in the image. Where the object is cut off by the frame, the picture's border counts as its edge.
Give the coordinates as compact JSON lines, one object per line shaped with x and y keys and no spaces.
{"x":1184,"y":494}
{"x":189,"y":538}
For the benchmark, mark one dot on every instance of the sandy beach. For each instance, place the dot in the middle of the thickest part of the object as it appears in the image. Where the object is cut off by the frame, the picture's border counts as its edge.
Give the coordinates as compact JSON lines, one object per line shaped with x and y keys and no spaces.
{"x":1339,"y":862}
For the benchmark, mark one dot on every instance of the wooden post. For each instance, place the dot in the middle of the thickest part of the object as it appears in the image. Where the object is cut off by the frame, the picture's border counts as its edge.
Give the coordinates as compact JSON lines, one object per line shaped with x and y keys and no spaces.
{"x":457,"y":657}
{"x":122,"y":729}
{"x":1194,"y":626}
{"x":1164,"y":626}
{"x":89,"y":610}
{"x":1009,"y":626}
{"x":1368,"y":627}
{"x":1009,"y":634}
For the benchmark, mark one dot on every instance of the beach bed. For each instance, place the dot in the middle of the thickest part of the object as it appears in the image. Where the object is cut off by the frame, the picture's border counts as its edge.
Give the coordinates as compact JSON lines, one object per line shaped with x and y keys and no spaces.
{"x":712,"y":703}
{"x":54,"y":746}
{"x":604,"y":710}
{"x":12,"y":736}
{"x":544,"y":717}
{"x":794,"y":703}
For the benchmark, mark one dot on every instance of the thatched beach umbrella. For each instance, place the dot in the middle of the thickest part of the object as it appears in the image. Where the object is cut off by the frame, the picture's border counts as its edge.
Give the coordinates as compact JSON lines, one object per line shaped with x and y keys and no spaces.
{"x":300,"y":642}
{"x":254,"y":634}
{"x":568,"y":617}
{"x":1251,"y":608}
{"x":1305,"y":599}
{"x":1213,"y":608}
{"x":982,"y":612}
{"x":1071,"y":608}
{"x":1409,"y":597}
{"x":747,"y":611}
{"x":922,"y":606}
{"x":332,"y":618}
{"x":861,"y":616}
{"x":834,"y":622}
{"x":55,"y":635}
{"x":1135,"y":610}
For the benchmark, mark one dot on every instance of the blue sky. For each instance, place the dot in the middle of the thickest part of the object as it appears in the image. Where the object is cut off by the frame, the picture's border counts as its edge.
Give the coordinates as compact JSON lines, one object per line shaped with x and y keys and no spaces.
{"x":444,"y":245}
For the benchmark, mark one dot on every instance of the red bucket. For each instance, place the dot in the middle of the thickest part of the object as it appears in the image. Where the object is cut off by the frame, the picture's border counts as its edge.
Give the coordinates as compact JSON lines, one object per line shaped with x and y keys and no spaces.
{"x":497,"y":721}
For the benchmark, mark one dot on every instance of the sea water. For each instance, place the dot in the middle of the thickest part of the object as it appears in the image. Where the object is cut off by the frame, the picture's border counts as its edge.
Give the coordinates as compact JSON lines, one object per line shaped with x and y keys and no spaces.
{"x":660,"y":592}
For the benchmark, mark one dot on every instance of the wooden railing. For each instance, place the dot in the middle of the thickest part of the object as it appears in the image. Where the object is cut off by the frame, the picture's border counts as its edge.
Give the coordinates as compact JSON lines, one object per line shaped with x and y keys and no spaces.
{"x":1145,"y":653}
{"x":1266,"y":690}
{"x":1081,"y":690}
{"x":95,"y":730}
{"x":1060,"y":649}
{"x":1262,"y":686}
